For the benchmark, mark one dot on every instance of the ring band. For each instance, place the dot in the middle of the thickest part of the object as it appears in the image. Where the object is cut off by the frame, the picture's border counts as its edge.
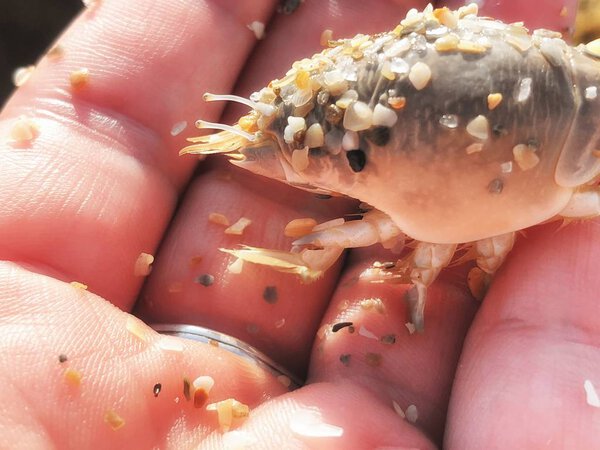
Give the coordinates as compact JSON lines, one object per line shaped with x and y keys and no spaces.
{"x":231,"y":344}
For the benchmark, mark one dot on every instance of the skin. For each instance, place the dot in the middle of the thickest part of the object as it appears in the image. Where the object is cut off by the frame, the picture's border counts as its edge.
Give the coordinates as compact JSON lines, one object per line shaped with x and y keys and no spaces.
{"x":103,"y":182}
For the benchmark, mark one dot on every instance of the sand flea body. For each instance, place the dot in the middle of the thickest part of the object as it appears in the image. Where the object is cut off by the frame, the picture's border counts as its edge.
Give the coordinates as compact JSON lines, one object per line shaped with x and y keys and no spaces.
{"x":457,"y":130}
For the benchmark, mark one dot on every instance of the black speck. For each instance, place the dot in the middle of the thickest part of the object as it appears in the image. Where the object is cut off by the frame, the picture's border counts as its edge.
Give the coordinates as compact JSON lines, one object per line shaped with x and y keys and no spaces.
{"x":345,"y":358}
{"x":270,"y":294}
{"x":205,"y":279}
{"x":388,"y":339}
{"x":353,"y":217}
{"x":288,"y":6}
{"x":379,"y":136}
{"x":62,"y":358}
{"x":323,"y":196}
{"x":338,"y":326}
{"x":156,"y":389}
{"x":317,"y":152}
{"x":499,"y":130}
{"x":533,"y":143}
{"x":496,"y":186}
{"x":186,"y":389}
{"x":357,"y":160}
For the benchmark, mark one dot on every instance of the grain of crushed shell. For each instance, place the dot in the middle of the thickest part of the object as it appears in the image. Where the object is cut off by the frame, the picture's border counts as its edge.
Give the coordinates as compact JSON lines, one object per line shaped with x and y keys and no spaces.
{"x":227,"y":411}
{"x":412,"y":413}
{"x":398,"y":409}
{"x":79,"y":78}
{"x":419,"y":75}
{"x":591,"y":395}
{"x":238,"y":227}
{"x":143,"y":265}
{"x":24,"y":130}
{"x":363,"y":331}
{"x":493,"y":100}
{"x":21,"y":75}
{"x":137,"y":328}
{"x":218,"y":218}
{"x":236,"y":266}
{"x":72,"y":377}
{"x":113,"y":420}
{"x":593,"y":48}
{"x":55,"y":53}
{"x":78,"y":285}
{"x":285,"y":381}
{"x":178,"y":128}
{"x":525,"y":156}
{"x":170,"y":344}
{"x":478,"y":282}
{"x":479,"y":127}
{"x":326,"y":36}
{"x":202,"y":387}
{"x":258,"y":28}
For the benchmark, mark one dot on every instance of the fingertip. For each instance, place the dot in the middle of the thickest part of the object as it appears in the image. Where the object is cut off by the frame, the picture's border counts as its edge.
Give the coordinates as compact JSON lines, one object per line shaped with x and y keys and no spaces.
{"x":328,"y":415}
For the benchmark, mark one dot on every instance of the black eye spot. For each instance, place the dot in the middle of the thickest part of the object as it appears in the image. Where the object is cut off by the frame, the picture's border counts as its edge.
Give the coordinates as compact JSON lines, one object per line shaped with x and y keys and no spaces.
{"x":379,"y":136}
{"x":357,"y":160}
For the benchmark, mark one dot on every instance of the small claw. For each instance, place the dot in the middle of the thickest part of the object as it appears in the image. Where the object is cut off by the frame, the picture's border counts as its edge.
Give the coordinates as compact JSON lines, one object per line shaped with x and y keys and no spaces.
{"x":374,"y":227}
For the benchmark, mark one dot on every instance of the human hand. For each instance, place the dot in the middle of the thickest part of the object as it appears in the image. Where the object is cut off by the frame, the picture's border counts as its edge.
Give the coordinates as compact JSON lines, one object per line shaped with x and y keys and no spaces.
{"x":101,"y":184}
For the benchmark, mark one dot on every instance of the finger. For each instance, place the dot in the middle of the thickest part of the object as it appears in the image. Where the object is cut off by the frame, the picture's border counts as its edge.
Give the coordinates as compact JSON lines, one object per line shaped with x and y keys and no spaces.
{"x":119,"y":385}
{"x":328,"y":415}
{"x":380,"y":353}
{"x":193,"y":281}
{"x":98,"y":185}
{"x":234,"y":304}
{"x":533,"y":345}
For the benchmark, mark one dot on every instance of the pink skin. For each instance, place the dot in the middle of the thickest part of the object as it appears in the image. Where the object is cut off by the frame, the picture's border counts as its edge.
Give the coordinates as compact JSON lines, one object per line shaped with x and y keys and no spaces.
{"x":100,"y":185}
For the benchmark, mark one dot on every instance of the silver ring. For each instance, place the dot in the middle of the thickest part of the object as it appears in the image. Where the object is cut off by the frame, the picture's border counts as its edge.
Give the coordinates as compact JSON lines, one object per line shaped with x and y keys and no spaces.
{"x":231,"y":344}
